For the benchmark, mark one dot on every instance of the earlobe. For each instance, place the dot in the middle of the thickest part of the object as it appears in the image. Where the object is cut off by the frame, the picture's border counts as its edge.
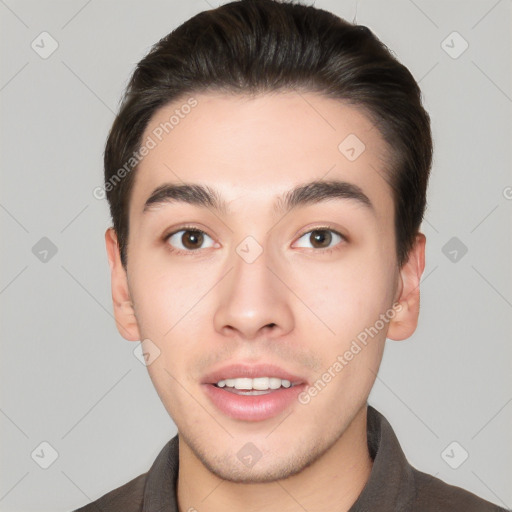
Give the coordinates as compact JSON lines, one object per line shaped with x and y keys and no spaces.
{"x":124,"y":313}
{"x":405,"y":321}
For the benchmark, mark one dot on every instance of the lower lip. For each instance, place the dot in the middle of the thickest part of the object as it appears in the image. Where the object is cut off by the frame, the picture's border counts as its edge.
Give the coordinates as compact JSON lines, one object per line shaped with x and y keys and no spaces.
{"x":253,"y":407}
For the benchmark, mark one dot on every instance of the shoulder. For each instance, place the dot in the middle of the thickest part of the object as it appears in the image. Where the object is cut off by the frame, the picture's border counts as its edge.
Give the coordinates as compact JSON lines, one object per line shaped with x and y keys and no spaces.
{"x":433,"y":494}
{"x":156,"y":485}
{"x":127,"y":497}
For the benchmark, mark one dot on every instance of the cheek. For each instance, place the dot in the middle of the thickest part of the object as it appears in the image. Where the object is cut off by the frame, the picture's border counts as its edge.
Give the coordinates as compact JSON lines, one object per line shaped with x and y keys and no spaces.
{"x":345,"y":296}
{"x":166,"y":296}
{"x":170,"y":310}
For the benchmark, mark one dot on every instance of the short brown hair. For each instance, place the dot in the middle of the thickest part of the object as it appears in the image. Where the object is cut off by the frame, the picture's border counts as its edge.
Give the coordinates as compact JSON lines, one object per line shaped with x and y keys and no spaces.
{"x":253,"y":46}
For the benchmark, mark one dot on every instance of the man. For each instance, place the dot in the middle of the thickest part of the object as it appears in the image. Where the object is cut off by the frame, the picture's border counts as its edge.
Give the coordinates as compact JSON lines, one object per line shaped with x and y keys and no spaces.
{"x":267,"y":177}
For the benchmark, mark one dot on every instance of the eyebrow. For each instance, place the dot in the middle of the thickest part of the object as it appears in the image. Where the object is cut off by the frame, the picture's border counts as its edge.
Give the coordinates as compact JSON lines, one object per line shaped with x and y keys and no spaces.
{"x":310,"y":193}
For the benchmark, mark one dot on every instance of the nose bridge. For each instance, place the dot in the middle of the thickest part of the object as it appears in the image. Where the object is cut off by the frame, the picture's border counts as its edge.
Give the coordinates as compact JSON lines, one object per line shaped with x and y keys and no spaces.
{"x":252,"y":298}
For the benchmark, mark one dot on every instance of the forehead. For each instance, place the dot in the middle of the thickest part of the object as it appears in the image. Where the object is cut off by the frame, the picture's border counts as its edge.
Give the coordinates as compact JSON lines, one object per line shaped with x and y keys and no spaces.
{"x":261,"y":146}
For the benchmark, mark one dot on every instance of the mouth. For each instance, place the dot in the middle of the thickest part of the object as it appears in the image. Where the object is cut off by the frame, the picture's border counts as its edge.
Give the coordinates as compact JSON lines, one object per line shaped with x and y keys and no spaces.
{"x":252,"y":393}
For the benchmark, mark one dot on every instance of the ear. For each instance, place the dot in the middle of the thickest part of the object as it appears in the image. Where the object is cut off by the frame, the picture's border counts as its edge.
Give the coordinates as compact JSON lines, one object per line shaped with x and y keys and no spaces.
{"x":124,"y":313}
{"x":405,"y":321}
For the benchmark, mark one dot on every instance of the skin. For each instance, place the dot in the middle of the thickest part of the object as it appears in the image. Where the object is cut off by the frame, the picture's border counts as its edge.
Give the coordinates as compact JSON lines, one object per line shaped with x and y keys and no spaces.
{"x":296,"y":305}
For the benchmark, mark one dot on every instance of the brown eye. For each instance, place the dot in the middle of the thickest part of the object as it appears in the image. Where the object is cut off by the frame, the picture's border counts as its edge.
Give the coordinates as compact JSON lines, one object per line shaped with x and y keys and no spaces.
{"x":192,"y":239}
{"x":321,"y":238}
{"x":188,"y":240}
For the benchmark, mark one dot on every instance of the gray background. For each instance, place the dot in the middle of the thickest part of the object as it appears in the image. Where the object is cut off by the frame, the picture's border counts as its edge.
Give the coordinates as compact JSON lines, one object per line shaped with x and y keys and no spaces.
{"x":68,"y":377}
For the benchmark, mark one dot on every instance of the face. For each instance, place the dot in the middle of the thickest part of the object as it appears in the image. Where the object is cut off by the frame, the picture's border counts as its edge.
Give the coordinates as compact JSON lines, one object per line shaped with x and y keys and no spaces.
{"x":256,"y":283}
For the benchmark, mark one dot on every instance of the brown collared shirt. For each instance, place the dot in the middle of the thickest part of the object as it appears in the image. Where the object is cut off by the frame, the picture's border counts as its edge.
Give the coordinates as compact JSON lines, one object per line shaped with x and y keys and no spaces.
{"x":394,"y":485}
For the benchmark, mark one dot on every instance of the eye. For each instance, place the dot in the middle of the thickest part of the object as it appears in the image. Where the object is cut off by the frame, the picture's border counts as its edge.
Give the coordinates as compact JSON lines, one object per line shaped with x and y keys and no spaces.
{"x":188,"y":240}
{"x":321,"y":238}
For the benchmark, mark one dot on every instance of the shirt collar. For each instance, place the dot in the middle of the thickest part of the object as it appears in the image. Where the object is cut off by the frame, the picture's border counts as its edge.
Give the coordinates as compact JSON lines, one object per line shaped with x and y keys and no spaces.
{"x":391,"y":482}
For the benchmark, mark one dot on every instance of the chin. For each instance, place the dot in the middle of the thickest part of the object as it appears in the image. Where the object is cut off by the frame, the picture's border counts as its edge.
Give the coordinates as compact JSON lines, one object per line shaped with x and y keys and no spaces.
{"x":226,"y":463}
{"x":232,"y":471}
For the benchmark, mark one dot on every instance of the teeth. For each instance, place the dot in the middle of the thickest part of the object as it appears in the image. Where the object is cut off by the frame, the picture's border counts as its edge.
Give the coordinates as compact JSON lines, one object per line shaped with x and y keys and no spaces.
{"x":259,"y":383}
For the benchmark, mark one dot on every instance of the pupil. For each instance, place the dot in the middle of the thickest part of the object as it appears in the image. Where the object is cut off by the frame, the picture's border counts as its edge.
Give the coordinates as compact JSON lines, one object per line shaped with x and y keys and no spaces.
{"x":320,"y":236}
{"x":192,"y":236}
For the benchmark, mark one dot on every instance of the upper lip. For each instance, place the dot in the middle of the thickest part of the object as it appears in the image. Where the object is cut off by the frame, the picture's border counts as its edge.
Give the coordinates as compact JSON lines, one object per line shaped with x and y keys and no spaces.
{"x":234,"y":371}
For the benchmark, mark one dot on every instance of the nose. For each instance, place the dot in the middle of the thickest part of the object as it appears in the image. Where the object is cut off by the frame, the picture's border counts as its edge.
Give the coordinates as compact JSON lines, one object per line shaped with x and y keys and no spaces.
{"x":253,"y":299}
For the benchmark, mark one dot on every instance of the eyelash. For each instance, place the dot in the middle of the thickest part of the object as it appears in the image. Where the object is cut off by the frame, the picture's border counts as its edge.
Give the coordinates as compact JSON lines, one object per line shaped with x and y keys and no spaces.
{"x":327,"y":250}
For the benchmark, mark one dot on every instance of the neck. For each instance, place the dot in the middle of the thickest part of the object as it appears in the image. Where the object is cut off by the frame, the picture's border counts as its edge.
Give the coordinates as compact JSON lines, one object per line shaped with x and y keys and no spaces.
{"x":332,"y":482}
